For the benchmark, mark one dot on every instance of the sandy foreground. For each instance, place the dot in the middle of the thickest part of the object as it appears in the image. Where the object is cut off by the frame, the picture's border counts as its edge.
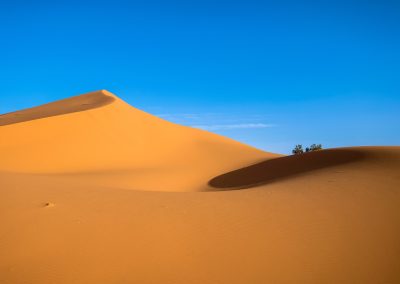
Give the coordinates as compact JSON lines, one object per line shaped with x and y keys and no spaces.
{"x":93,"y":190}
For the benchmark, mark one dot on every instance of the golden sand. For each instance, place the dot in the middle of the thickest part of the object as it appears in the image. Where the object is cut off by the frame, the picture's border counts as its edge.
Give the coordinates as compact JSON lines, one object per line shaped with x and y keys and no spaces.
{"x":93,"y":190}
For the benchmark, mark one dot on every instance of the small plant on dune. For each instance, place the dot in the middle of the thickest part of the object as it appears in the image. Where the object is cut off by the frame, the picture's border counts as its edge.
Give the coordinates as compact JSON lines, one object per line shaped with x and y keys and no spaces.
{"x":298,"y":149}
{"x":314,"y":147}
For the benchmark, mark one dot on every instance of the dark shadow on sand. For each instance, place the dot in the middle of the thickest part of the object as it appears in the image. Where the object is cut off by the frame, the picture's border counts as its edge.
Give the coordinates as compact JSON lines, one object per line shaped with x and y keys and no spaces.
{"x":283,"y":168}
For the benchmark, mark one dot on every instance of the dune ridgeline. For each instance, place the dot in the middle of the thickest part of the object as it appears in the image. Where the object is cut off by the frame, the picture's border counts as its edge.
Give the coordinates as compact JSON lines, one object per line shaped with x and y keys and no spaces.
{"x":93,"y":190}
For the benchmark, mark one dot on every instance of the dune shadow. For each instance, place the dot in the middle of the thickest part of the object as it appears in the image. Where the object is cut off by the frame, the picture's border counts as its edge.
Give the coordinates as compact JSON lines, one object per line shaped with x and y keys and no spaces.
{"x":273,"y":170}
{"x":70,"y":105}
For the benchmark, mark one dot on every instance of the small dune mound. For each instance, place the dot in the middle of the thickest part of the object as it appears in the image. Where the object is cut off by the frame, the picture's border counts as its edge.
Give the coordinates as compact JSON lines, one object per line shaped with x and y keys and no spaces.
{"x":70,"y":105}
{"x":49,"y":204}
{"x":273,"y":170}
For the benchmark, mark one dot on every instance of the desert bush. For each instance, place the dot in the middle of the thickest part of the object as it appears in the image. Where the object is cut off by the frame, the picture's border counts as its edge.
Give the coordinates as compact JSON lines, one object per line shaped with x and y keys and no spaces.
{"x":298,"y":149}
{"x":314,"y":147}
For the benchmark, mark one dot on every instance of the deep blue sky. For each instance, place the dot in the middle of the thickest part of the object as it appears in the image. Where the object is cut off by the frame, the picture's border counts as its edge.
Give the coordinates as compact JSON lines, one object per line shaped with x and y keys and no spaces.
{"x":268,"y":73}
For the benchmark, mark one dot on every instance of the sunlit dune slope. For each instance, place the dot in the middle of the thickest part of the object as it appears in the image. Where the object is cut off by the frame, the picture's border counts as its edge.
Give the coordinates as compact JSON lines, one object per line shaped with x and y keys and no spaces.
{"x":99,"y":139}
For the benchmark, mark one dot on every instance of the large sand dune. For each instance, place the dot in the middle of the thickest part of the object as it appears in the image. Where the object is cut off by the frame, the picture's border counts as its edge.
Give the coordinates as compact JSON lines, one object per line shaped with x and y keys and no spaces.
{"x":93,"y":190}
{"x":100,"y":140}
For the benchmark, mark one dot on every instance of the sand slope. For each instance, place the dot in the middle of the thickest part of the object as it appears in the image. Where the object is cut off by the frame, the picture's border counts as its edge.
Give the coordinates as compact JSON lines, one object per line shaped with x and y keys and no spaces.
{"x":99,"y":139}
{"x":94,"y":195}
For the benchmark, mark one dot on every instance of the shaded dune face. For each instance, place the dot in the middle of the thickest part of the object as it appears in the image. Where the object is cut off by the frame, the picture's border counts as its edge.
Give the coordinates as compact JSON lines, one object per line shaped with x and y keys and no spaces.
{"x":274,"y":170}
{"x":70,"y":105}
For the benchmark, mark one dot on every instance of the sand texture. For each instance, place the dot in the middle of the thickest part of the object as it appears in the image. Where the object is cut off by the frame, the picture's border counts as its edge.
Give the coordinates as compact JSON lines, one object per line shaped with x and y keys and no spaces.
{"x":93,"y":190}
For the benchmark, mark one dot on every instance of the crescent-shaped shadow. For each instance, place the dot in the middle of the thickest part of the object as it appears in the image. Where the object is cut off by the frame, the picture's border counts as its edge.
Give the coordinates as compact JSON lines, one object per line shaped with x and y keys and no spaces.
{"x":273,"y":170}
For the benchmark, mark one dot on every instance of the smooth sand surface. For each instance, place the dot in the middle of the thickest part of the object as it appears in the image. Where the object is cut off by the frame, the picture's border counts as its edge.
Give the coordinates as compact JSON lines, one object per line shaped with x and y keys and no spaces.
{"x":93,"y":190}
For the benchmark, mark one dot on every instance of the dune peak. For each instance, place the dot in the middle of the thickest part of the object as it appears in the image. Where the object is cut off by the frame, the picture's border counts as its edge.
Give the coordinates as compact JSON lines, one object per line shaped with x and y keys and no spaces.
{"x":74,"y":104}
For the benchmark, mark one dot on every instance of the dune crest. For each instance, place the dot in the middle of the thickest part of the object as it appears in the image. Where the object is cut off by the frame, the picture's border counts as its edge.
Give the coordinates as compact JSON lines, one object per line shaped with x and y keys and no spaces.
{"x":70,"y":105}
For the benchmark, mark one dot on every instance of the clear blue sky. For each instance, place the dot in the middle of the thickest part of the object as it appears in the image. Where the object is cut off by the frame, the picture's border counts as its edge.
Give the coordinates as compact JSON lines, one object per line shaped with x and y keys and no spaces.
{"x":268,"y":73}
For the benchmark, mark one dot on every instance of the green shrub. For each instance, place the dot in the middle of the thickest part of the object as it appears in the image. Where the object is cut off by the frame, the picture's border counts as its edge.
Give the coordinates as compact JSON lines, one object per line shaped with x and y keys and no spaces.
{"x":298,"y":149}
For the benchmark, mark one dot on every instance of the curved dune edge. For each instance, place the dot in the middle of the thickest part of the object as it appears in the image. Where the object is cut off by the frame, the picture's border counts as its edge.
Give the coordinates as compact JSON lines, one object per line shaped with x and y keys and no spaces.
{"x":80,"y":103}
{"x":282,"y":168}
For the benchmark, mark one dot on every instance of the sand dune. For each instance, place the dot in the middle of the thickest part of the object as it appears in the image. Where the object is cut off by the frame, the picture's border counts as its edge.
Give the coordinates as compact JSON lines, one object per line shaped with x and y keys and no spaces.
{"x":99,"y":139}
{"x":93,"y":190}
